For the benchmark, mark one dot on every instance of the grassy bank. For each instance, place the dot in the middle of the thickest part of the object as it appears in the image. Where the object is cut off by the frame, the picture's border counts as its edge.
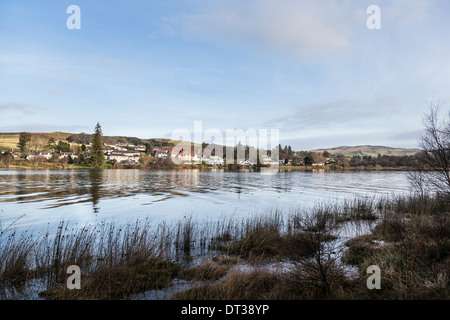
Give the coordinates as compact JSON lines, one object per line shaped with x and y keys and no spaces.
{"x":49,"y":165}
{"x":62,"y":166}
{"x":301,"y":254}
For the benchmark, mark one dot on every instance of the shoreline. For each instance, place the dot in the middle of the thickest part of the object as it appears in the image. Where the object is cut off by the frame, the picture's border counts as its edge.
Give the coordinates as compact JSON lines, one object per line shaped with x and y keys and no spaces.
{"x":53,"y":166}
{"x":278,"y":256}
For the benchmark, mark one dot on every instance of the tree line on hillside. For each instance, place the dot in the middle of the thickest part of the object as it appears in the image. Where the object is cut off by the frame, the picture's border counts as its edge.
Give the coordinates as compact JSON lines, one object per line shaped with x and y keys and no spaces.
{"x":434,"y":155}
{"x":95,"y":157}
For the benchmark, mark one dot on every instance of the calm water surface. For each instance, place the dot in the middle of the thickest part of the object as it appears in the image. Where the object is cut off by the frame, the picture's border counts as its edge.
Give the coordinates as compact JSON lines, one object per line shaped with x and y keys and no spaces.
{"x":39,"y":198}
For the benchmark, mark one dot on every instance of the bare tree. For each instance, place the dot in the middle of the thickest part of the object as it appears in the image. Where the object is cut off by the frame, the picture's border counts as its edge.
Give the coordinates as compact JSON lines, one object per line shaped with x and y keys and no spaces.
{"x":433,"y":167}
{"x":323,"y":268}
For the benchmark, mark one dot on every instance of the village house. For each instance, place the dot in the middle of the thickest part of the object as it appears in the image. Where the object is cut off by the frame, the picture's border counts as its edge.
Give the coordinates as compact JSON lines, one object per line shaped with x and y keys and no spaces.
{"x":124,"y":156}
{"x":188,"y":158}
{"x":108,"y":150}
{"x":182,"y":157}
{"x":66,"y":155}
{"x":318,"y":164}
{"x":39,"y":154}
{"x":266,"y":160}
{"x":246,"y":163}
{"x":140,"y":148}
{"x":162,"y":153}
{"x":196,"y":159}
{"x":216,"y":161}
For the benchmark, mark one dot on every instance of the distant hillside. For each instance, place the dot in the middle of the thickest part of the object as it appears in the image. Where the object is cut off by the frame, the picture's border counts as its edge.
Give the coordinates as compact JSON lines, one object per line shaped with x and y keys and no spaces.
{"x":10,"y":140}
{"x":83,"y":138}
{"x":39,"y":140}
{"x":370,"y":151}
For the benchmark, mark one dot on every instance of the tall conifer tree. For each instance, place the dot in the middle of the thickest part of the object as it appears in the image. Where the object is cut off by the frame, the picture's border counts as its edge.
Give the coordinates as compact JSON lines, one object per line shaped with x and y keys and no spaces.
{"x":97,"y":150}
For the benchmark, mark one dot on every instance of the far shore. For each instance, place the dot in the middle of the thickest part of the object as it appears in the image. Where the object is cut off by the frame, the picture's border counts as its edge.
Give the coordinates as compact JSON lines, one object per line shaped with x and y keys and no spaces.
{"x":282,"y":168}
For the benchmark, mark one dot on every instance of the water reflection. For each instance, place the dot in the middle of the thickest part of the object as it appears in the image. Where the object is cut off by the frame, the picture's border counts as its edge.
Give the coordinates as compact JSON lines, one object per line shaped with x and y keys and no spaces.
{"x":96,"y":182}
{"x":210,"y":192}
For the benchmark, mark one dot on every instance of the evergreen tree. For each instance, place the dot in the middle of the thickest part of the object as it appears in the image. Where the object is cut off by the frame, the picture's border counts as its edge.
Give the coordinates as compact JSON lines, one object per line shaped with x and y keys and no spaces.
{"x":51,"y":145}
{"x":24,"y":139}
{"x":326,"y":154}
{"x":97,"y":150}
{"x":308,"y":160}
{"x":62,"y":147}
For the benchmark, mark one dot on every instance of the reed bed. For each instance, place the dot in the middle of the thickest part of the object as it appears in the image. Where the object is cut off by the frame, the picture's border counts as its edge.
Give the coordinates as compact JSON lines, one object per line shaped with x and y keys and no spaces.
{"x":409,"y":240}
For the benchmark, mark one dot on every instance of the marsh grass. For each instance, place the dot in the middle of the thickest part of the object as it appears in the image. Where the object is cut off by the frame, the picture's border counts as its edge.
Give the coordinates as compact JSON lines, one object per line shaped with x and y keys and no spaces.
{"x":409,"y":240}
{"x":411,"y":244}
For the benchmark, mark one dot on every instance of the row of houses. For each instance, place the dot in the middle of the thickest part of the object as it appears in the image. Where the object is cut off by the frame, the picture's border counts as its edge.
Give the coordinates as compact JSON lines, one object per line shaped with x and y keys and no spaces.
{"x":132,"y":157}
{"x":215,"y":160}
{"x":188,"y":158}
{"x":123,"y":156}
{"x":48,"y":155}
{"x":124,"y":147}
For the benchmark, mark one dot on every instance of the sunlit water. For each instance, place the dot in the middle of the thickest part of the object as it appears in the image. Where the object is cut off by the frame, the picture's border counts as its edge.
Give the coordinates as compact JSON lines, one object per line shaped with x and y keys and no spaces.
{"x":35,"y":199}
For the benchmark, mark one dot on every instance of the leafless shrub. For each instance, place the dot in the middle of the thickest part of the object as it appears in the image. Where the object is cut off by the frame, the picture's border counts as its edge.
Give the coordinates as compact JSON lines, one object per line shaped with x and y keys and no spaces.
{"x":433,"y":167}
{"x":323,"y":269}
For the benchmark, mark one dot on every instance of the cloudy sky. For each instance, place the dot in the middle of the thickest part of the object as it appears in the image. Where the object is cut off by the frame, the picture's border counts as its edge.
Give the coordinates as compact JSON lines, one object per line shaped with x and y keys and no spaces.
{"x":311,"y":69}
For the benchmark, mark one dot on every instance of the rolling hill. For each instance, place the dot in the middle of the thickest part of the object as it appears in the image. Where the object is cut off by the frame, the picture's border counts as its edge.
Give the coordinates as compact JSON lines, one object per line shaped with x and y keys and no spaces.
{"x":9,"y":141}
{"x":369,"y":151}
{"x":39,"y":140}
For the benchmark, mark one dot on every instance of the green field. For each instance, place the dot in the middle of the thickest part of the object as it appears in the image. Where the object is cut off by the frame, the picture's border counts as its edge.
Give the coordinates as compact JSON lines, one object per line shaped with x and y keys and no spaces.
{"x":9,"y":141}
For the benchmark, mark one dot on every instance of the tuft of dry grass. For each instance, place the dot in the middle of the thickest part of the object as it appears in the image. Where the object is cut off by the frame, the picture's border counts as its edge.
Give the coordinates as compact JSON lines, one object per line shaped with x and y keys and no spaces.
{"x":238,"y":285}
{"x":118,"y":282}
{"x":410,"y":243}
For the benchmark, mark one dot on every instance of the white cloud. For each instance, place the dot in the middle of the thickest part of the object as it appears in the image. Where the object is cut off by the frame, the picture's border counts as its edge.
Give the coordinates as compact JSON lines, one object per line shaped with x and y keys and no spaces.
{"x":407,"y":12}
{"x":18,"y":107}
{"x":342,"y":114}
{"x":40,"y":127}
{"x":302,"y":29}
{"x":390,"y":139}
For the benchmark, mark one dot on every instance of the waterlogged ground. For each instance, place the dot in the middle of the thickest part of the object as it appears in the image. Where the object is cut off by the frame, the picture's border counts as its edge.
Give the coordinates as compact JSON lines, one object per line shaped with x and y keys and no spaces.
{"x":35,"y":199}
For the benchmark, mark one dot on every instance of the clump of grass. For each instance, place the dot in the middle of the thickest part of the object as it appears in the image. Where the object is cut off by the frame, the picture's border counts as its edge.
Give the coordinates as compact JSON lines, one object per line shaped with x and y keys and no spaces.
{"x":415,"y":257}
{"x":16,"y":258}
{"x":358,"y":209}
{"x":239,"y":285}
{"x":359,"y":248}
{"x":310,"y":281}
{"x":266,"y":238}
{"x":256,"y":245}
{"x":210,"y":270}
{"x":119,"y":282}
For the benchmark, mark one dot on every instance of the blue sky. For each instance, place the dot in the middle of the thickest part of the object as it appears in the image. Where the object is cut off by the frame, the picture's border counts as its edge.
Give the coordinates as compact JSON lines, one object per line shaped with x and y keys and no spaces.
{"x":311,"y":69}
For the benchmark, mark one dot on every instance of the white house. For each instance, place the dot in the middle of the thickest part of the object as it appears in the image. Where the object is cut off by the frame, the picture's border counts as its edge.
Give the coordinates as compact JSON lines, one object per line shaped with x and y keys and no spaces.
{"x":266,"y":160}
{"x":64,"y":155}
{"x":216,"y":161}
{"x":196,"y":159}
{"x":182,"y":157}
{"x":162,"y":153}
{"x":40,"y":154}
{"x":246,"y":163}
{"x":319,"y":164}
{"x":124,"y":156}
